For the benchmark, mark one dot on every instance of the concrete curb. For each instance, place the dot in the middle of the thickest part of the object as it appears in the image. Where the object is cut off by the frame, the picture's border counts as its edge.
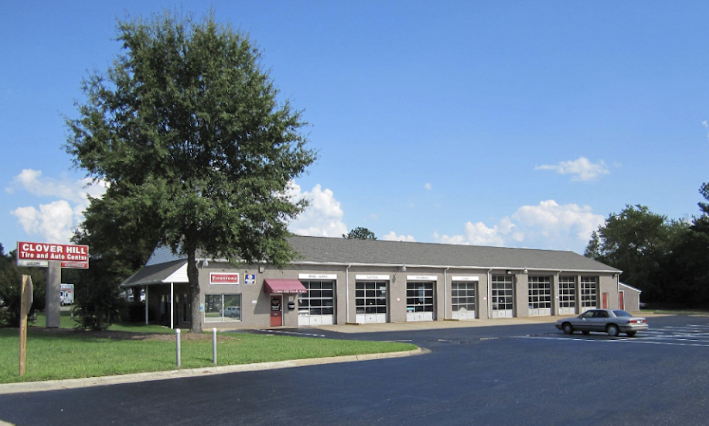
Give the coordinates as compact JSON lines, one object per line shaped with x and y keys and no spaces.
{"x":195,"y":372}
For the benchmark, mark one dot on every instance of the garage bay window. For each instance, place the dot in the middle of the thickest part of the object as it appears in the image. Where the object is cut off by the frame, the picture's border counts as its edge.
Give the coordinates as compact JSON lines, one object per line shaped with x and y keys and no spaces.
{"x":222,"y":307}
{"x":567,"y":295}
{"x":589,"y":293}
{"x":539,"y":295}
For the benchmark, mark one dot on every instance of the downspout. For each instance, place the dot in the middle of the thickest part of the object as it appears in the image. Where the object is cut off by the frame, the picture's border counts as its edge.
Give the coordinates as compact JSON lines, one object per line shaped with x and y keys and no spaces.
{"x":617,"y":290}
{"x":489,"y":302}
{"x":347,"y":293}
{"x":445,"y":291}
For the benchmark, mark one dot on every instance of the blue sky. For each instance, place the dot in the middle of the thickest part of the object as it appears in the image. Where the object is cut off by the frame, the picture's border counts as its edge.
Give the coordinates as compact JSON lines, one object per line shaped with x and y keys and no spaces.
{"x":512,"y":123}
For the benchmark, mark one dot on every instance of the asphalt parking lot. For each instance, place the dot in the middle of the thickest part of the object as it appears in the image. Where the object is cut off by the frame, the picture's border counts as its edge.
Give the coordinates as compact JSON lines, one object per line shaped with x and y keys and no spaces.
{"x":529,"y":374}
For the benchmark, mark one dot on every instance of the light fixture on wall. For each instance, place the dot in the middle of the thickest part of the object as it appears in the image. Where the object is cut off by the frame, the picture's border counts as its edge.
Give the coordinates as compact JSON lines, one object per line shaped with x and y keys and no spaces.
{"x":261,"y":269}
{"x":509,"y":272}
{"x":205,"y":263}
{"x":403,"y":268}
{"x":525,"y":270}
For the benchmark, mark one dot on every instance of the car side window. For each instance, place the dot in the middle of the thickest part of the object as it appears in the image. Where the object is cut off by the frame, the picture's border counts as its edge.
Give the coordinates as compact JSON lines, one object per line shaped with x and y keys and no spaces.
{"x":602,"y":314}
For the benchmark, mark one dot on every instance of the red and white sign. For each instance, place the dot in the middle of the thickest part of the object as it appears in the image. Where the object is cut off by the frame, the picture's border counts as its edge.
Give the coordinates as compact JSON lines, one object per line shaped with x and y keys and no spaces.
{"x":70,"y":256}
{"x":223,"y":278}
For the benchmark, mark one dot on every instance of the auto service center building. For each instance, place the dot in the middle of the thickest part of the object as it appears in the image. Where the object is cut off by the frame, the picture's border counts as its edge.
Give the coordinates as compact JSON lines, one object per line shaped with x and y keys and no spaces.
{"x":343,"y":281}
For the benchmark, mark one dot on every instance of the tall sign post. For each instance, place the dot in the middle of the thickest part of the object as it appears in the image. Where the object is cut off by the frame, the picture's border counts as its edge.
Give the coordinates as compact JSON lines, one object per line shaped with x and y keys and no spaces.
{"x":54,"y":257}
{"x":25,"y":305}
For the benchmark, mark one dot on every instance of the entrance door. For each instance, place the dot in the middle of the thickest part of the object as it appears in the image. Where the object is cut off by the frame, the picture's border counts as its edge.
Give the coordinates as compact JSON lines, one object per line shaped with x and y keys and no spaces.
{"x":276,"y":311}
{"x":621,"y":300}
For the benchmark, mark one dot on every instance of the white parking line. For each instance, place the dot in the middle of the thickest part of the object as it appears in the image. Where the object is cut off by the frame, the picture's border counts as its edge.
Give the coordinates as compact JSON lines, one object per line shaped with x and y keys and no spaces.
{"x":690,"y":335}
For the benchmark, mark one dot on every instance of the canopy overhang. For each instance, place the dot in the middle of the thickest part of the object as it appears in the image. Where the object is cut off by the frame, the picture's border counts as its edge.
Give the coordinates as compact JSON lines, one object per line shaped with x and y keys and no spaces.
{"x":284,"y":286}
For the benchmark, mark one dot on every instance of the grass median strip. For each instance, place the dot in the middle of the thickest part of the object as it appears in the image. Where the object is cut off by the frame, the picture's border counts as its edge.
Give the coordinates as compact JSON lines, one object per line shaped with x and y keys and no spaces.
{"x":67,"y":354}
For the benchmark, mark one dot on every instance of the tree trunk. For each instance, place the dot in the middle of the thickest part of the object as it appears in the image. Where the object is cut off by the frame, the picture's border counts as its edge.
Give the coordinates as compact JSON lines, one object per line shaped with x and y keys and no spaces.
{"x":193,"y":277}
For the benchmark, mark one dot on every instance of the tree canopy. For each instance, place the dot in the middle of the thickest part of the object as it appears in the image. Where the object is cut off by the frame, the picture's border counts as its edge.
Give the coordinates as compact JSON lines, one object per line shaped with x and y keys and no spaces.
{"x":188,"y":133}
{"x":360,"y":233}
{"x":666,"y":259}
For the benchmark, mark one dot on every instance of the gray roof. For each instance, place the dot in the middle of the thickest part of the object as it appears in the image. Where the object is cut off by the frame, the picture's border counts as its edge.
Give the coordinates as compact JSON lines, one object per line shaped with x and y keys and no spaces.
{"x":155,"y":273}
{"x":377,"y":252}
{"x":341,"y":251}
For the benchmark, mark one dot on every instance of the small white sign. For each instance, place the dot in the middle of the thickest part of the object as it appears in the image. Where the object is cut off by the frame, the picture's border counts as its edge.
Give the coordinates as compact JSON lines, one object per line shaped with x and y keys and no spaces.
{"x":33,"y":263}
{"x":421,"y":278}
{"x":372,"y":277}
{"x":465,"y":278}
{"x":317,"y":276}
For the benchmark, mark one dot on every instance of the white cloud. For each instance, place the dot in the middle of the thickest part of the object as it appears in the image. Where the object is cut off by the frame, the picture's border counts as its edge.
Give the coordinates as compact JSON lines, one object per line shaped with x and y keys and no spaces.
{"x":480,"y":235}
{"x":31,"y":181}
{"x":446,"y":239}
{"x":582,"y":169}
{"x":53,"y":222}
{"x":322,"y":218}
{"x":391,"y":236}
{"x":554,"y":221}
{"x":547,"y":225}
{"x":428,"y":186}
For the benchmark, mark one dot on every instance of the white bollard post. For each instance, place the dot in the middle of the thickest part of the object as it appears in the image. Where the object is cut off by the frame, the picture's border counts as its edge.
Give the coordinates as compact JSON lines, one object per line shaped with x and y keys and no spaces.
{"x":177,"y":338}
{"x":214,"y":345}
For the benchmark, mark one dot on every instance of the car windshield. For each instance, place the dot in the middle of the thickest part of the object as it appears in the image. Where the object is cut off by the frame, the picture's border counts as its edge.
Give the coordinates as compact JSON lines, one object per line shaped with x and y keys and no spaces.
{"x":621,"y":314}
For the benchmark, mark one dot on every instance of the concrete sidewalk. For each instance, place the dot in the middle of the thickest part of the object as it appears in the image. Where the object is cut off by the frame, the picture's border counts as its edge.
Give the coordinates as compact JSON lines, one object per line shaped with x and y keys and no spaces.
{"x":434,"y":325}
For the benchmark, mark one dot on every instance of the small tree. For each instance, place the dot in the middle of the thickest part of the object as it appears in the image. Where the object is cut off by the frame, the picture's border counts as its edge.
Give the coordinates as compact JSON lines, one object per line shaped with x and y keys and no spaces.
{"x":98,"y":304}
{"x":187,"y":131}
{"x":360,"y":233}
{"x":10,"y":289}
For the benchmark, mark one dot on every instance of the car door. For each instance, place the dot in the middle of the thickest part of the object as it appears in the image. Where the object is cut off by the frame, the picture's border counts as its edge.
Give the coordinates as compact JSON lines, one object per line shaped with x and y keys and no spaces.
{"x":601,"y":320}
{"x":583,"y":322}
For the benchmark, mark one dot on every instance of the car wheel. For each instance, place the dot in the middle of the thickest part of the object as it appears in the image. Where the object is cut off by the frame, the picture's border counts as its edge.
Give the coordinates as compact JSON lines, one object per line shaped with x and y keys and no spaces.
{"x":585,"y":332}
{"x":613,"y":330}
{"x":631,"y":333}
{"x":568,"y":329}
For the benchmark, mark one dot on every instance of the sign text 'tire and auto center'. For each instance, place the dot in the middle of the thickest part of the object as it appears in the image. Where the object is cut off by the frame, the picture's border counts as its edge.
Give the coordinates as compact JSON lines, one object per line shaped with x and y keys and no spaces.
{"x":39,"y":254}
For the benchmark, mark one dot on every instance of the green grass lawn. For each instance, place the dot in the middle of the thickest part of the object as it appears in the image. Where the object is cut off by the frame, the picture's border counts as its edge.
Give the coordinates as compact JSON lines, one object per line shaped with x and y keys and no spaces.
{"x":67,"y":355}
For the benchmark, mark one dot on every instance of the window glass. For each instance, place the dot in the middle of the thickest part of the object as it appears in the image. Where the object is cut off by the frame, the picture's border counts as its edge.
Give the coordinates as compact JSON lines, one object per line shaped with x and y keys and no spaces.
{"x":221,"y":308}
{"x":620,"y":313}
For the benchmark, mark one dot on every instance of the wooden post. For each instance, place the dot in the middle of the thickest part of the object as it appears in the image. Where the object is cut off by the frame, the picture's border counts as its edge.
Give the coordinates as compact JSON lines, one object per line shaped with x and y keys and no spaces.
{"x":26,"y":303}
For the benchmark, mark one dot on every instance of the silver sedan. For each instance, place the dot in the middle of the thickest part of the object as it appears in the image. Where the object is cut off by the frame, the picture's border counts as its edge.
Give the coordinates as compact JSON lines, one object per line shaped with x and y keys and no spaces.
{"x":611,"y":321}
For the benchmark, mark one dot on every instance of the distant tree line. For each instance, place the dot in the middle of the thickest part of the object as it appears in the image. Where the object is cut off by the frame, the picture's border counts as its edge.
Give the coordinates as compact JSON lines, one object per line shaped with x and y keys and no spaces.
{"x":667,"y":259}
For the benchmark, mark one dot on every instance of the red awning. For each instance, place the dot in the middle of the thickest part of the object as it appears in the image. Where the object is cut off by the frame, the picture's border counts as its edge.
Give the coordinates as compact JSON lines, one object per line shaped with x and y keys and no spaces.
{"x":284,"y":286}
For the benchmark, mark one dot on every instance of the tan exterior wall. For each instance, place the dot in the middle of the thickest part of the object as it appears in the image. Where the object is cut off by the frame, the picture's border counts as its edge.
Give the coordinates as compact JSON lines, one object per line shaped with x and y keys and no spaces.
{"x":631,"y":298}
{"x":256,"y":309}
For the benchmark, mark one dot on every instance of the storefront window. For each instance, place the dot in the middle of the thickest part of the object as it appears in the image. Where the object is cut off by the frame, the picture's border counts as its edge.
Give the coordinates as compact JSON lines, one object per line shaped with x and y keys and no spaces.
{"x":222,"y":307}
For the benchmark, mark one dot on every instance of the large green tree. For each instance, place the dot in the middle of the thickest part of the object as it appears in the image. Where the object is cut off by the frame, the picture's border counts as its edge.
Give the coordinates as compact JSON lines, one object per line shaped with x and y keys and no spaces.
{"x":639,"y":242}
{"x":187,"y":130}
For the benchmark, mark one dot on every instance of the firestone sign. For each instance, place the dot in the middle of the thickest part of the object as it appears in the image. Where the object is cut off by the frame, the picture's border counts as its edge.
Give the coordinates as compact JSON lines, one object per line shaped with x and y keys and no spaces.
{"x":70,"y":256}
{"x":223,"y":278}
